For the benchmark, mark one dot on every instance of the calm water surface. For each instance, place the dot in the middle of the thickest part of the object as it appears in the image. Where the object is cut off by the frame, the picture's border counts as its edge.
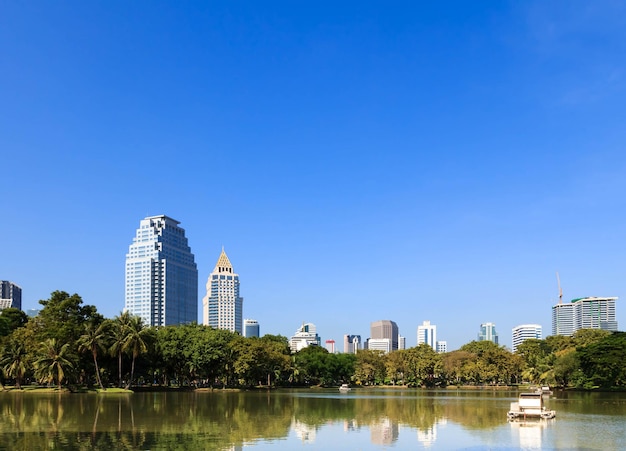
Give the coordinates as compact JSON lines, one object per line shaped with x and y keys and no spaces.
{"x":363,"y":419}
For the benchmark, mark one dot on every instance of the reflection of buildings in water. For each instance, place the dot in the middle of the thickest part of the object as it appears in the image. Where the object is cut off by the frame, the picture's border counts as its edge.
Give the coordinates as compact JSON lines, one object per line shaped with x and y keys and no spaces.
{"x":384,"y":432}
{"x":427,"y":436}
{"x":529,"y":432}
{"x":234,"y":448}
{"x":303,"y":431}
{"x":350,"y":425}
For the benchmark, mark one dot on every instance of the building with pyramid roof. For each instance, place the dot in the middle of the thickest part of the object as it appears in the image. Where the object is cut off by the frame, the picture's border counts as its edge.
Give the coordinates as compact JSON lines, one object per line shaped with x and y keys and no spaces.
{"x":222,"y":305}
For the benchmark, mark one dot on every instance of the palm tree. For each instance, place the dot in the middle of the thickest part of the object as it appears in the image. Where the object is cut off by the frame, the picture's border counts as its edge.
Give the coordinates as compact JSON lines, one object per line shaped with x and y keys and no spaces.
{"x":53,"y":362}
{"x":136,"y":342}
{"x":118,"y":334}
{"x":13,"y":361}
{"x":94,"y":340}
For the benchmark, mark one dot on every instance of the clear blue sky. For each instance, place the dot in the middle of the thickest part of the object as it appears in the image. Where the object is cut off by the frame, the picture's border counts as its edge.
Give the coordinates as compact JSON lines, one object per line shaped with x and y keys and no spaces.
{"x":357,"y":160}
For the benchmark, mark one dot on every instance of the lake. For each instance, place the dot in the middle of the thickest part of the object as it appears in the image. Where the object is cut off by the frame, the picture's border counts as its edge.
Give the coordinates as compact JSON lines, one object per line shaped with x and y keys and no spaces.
{"x":362,"y":419}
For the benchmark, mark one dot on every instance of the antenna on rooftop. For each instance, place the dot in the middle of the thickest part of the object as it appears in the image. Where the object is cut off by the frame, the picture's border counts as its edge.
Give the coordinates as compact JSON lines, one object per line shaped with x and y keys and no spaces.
{"x":558,"y":280}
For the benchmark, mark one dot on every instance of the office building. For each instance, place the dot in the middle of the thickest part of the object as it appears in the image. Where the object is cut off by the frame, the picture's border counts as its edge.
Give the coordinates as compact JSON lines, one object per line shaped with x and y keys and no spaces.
{"x":488,"y":333}
{"x":330,"y":346}
{"x":584,"y":313}
{"x":10,"y":295}
{"x":380,"y":344}
{"x":351,"y":344}
{"x":401,"y":342}
{"x":306,"y":335}
{"x":427,"y":334}
{"x":563,"y":319}
{"x":385,"y":329}
{"x":251,"y":328}
{"x":524,"y":332}
{"x":442,"y":347}
{"x":222,"y":305}
{"x":161,"y":274}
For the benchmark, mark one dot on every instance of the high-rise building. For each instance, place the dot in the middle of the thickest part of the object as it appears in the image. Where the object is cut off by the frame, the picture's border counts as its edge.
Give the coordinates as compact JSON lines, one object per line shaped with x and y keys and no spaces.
{"x":306,"y":335}
{"x":427,"y":334}
{"x":442,"y":347}
{"x":401,"y":342}
{"x":222,"y":305}
{"x":584,"y":313}
{"x":488,"y":333}
{"x":251,"y":328}
{"x":563,"y":319}
{"x":524,"y":332}
{"x":385,"y":329}
{"x":161,"y":274}
{"x":330,"y":346}
{"x":351,"y":344}
{"x":10,"y":295}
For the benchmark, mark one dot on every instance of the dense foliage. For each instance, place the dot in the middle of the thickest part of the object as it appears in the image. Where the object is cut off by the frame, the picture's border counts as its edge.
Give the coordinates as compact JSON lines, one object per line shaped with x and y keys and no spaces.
{"x":69,"y":343}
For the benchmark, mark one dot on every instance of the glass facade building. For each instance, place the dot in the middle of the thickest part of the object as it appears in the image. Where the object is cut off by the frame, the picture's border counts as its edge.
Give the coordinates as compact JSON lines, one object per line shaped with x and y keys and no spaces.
{"x":251,"y":328}
{"x":488,"y":333}
{"x":161,"y":274}
{"x":10,"y":295}
{"x":222,"y":305}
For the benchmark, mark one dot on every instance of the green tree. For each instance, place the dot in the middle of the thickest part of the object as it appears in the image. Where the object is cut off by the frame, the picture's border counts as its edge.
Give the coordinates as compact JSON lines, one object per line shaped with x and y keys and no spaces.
{"x":63,"y":317}
{"x":423,"y":365}
{"x":585,"y":337}
{"x":10,"y":319}
{"x":136,"y":341}
{"x":602,"y":363}
{"x":52,"y":363}
{"x":395,"y":365}
{"x":458,"y":366}
{"x":119,"y":332}
{"x":94,"y":340}
{"x":370,"y":367}
{"x":14,"y":361}
{"x":535,"y":355}
{"x":313,"y":364}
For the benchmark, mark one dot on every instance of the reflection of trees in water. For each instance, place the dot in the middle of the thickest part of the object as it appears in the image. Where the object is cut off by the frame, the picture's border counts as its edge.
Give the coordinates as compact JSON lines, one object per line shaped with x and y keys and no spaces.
{"x":163,"y":420}
{"x":221,"y":419}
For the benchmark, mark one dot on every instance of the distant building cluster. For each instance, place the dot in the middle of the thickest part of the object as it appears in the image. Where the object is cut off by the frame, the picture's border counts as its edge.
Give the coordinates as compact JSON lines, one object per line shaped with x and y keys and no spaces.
{"x":161,"y":287}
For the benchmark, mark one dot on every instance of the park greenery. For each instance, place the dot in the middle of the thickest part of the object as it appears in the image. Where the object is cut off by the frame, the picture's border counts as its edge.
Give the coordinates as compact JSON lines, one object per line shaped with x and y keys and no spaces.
{"x":69,"y":344}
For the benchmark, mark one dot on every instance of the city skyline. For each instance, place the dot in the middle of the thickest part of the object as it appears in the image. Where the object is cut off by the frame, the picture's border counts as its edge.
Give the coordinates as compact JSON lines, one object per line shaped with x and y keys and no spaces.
{"x":411,"y":161}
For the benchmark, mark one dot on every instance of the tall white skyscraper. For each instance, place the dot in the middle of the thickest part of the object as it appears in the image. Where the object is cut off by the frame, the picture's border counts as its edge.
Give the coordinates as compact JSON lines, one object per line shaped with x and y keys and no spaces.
{"x":427,"y":333}
{"x":222,"y":305}
{"x":524,"y":332}
{"x":161,"y":274}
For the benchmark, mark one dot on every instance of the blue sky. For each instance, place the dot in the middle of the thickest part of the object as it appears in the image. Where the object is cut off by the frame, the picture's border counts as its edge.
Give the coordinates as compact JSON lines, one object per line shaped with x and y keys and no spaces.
{"x":357,"y":160}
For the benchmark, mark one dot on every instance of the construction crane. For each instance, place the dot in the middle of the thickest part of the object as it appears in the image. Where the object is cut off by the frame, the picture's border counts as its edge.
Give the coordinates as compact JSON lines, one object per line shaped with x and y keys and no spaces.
{"x":558,"y":280}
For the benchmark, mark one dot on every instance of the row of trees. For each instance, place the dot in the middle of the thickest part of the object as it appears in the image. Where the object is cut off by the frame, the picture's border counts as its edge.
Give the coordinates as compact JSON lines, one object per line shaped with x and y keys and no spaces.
{"x":71,"y":343}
